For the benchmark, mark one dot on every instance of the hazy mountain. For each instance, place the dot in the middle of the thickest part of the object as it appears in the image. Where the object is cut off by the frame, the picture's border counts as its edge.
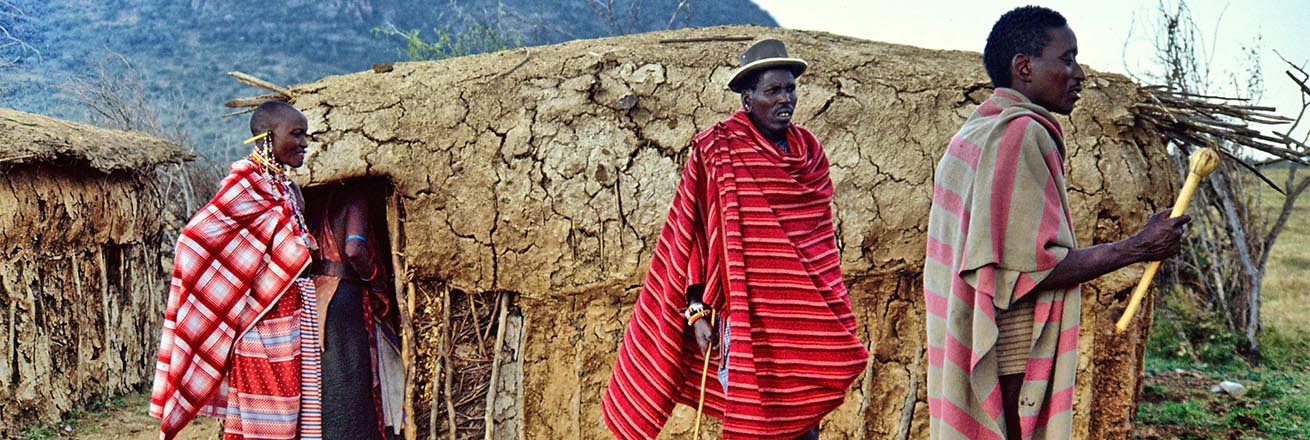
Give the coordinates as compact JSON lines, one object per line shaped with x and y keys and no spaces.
{"x":179,"y":50}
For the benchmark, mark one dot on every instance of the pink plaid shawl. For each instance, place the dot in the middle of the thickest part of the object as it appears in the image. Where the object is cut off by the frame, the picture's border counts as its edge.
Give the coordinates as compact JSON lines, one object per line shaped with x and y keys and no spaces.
{"x":234,"y":259}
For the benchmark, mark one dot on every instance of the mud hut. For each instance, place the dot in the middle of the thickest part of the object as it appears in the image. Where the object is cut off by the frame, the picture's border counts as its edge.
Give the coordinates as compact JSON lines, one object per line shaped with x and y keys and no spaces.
{"x":524,"y":191}
{"x":82,"y":270}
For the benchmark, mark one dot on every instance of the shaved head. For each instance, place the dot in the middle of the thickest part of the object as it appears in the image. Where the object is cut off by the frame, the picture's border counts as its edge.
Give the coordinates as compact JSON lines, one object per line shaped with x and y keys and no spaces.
{"x":287,"y":131}
{"x":269,"y":113}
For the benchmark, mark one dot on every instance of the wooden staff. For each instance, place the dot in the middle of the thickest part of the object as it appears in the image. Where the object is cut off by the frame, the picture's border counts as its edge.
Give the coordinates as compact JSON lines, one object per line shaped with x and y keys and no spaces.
{"x":704,"y":372}
{"x":1201,"y":164}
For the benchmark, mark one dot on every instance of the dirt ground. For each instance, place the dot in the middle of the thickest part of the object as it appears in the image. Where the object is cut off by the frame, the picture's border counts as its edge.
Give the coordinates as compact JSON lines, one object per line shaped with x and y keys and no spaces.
{"x":131,"y":422}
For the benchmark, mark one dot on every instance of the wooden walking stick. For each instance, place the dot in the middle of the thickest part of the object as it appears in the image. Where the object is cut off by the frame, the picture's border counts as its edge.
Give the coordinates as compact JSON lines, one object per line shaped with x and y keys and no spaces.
{"x":704,"y":371}
{"x":1201,"y":164}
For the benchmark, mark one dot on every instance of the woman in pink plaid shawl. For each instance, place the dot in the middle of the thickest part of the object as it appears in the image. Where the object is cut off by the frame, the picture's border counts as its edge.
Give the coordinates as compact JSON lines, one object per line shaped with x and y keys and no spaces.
{"x":239,"y":338}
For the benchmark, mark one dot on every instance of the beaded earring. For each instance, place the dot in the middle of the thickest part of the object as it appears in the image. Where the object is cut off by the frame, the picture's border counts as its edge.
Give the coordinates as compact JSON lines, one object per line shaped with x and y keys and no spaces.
{"x":263,"y":152}
{"x":267,"y":145}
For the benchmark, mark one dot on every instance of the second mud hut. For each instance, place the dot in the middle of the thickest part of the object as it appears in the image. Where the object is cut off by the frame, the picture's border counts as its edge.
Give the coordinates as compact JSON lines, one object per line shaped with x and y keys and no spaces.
{"x":82,"y":264}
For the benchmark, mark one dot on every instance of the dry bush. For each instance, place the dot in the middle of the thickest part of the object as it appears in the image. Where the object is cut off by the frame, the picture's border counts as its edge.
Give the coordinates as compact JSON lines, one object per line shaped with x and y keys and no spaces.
{"x":1225,"y":257}
{"x":13,"y":50}
{"x":114,"y":96}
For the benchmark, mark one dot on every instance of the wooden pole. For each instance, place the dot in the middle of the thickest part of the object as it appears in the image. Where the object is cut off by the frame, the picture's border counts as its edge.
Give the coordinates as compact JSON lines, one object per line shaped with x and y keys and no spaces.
{"x":492,"y":389}
{"x":446,"y":347}
{"x":405,"y":308}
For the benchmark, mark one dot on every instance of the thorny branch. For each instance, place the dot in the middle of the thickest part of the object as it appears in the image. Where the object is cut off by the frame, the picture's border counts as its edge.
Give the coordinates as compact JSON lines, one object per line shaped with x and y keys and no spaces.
{"x":465,"y":361}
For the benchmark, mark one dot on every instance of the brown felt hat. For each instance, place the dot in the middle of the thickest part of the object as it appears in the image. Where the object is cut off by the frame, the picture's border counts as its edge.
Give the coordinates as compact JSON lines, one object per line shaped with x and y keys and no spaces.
{"x":765,"y":55}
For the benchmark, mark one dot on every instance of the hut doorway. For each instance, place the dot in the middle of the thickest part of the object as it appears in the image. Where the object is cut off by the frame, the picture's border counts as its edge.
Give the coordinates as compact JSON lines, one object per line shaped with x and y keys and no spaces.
{"x":448,"y":356}
{"x":362,"y":324}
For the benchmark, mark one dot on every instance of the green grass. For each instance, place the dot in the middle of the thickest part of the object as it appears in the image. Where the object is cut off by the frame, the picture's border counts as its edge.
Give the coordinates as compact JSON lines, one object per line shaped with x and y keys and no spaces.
{"x":1180,"y":405}
{"x":1176,"y":400}
{"x":79,"y":420}
{"x":1188,"y":412}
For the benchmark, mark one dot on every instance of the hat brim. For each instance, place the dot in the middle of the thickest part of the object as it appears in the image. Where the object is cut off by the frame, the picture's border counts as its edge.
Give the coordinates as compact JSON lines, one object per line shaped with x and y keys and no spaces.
{"x":796,"y":65}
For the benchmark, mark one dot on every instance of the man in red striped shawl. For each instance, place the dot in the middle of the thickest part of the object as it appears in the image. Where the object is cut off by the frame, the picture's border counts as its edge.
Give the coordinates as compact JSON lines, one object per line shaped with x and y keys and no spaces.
{"x":749,"y":240}
{"x":239,"y":339}
{"x":1003,"y":268}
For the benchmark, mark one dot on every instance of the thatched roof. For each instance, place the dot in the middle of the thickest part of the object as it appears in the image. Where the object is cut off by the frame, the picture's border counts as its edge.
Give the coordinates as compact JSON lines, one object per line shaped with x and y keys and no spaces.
{"x":26,"y":138}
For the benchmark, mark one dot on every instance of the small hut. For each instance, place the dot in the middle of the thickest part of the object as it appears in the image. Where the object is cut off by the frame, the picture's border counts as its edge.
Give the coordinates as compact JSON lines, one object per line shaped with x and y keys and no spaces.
{"x":83,"y":264}
{"x":524,"y":191}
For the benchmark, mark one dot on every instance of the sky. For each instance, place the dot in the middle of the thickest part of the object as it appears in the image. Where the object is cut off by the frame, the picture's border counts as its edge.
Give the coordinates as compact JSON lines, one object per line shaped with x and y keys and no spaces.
{"x":1113,"y":35}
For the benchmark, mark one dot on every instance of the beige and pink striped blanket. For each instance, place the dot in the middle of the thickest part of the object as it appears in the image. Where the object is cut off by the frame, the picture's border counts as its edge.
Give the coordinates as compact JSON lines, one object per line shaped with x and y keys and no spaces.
{"x":999,"y":224}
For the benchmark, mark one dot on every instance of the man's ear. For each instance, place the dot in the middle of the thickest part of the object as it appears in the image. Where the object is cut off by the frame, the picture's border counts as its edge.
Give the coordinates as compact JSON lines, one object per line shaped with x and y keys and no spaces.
{"x":1021,"y":69}
{"x":745,"y":99}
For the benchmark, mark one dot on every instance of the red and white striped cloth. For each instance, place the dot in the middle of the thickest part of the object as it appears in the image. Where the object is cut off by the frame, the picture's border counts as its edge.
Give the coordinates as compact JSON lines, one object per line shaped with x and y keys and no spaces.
{"x":274,"y":387}
{"x":999,"y":224}
{"x":754,"y":226}
{"x":235,"y":260}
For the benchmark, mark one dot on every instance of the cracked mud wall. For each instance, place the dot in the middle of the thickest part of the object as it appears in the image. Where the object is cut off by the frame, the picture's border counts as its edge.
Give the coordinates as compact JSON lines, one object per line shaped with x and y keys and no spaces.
{"x":83,"y":277}
{"x":548,"y":172}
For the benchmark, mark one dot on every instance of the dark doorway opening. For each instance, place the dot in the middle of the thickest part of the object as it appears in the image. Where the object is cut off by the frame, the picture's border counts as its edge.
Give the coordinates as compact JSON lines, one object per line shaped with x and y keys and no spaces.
{"x":322,"y":200}
{"x":360,"y":319}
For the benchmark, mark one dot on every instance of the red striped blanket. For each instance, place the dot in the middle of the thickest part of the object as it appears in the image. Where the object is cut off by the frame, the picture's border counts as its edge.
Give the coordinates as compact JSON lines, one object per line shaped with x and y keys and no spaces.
{"x":754,"y":226}
{"x":235,"y":259}
{"x":999,"y":223}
